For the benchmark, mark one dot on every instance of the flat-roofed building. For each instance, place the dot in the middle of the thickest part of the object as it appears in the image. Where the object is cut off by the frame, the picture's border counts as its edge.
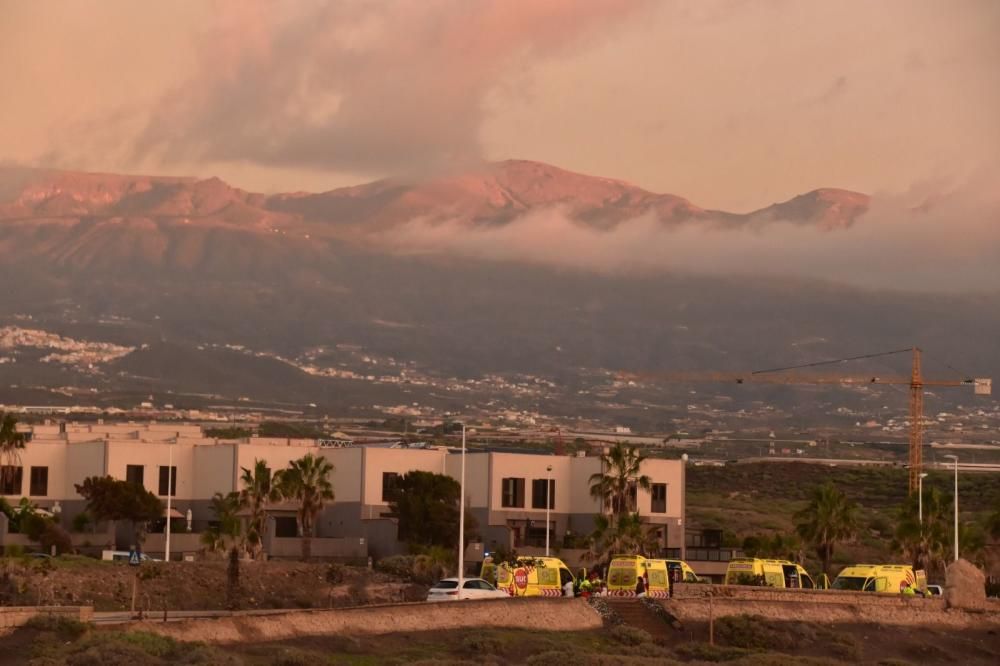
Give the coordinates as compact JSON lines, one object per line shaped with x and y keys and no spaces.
{"x":505,"y":492}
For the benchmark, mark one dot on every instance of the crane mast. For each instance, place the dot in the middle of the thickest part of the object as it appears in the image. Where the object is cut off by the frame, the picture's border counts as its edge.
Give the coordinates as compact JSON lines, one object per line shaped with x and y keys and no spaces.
{"x":915,"y":381}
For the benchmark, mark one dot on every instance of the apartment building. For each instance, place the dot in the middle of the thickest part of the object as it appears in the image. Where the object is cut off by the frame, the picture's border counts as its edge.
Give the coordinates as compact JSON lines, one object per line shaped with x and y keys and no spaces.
{"x":507,"y":493}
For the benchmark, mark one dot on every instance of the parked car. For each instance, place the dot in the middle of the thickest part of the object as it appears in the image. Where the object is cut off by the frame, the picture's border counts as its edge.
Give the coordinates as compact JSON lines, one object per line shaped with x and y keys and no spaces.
{"x":473,"y":588}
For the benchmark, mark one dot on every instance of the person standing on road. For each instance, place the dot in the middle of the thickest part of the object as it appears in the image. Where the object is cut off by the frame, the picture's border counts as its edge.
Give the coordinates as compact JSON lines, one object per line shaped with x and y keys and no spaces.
{"x":640,"y":587}
{"x":568,"y":589}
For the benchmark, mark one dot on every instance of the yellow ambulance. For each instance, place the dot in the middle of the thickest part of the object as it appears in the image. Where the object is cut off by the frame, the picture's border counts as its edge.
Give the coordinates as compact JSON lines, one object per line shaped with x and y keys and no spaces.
{"x":888,"y":578}
{"x":532,"y":577}
{"x":625,"y":570}
{"x":769,"y":573}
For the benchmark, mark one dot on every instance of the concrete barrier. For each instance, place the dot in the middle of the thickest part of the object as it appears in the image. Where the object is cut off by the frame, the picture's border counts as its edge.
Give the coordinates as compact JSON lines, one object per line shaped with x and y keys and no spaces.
{"x":550,"y":614}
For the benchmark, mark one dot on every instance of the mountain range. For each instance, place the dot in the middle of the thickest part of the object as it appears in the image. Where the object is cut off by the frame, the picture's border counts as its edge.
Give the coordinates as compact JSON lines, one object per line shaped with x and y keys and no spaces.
{"x":178,"y":268}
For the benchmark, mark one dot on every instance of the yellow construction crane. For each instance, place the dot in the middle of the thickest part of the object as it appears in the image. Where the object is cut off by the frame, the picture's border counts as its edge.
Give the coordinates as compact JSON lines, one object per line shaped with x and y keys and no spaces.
{"x":788,"y":375}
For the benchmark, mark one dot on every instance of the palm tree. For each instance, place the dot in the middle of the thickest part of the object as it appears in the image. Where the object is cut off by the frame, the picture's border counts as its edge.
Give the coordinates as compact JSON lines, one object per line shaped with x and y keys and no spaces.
{"x":619,"y":481}
{"x":11,"y":444}
{"x":226,"y":532}
{"x":259,"y":489}
{"x":307,"y":481}
{"x":624,"y":533}
{"x":993,"y":524}
{"x":830,"y":517}
{"x":925,"y":543}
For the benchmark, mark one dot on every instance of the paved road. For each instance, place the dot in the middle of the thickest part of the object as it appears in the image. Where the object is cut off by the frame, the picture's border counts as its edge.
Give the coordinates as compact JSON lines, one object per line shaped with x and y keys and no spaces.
{"x":123,"y":617}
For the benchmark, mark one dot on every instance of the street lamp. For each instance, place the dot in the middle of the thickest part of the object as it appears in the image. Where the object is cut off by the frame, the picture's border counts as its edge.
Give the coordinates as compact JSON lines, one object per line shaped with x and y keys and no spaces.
{"x":920,"y":497}
{"x":955,"y":458}
{"x":548,"y":506}
{"x":170,"y":484}
{"x":461,"y":523}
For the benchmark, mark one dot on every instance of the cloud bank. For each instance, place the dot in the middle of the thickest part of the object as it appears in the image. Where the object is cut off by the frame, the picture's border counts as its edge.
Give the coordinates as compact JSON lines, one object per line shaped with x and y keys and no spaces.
{"x":359,"y":87}
{"x":932,"y":238}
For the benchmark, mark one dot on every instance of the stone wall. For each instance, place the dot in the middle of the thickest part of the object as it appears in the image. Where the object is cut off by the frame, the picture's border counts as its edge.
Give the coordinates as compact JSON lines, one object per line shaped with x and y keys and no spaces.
{"x":552,"y":614}
{"x":17,"y":616}
{"x":751,"y":593}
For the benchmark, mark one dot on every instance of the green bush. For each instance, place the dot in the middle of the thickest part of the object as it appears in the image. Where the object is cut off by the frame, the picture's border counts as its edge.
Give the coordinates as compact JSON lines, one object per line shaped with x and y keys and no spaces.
{"x":627,"y":635}
{"x":82,"y":522}
{"x":65,"y":628}
{"x":478,"y":644}
{"x":417,"y":568}
{"x":56,"y":536}
{"x":751,"y":632}
{"x":711,"y":653}
{"x":336,"y":574}
{"x":33,"y":526}
{"x":13,"y":550}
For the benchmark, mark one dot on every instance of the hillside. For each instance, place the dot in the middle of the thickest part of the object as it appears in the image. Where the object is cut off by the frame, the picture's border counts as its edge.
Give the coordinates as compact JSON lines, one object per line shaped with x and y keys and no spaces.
{"x":179,"y":268}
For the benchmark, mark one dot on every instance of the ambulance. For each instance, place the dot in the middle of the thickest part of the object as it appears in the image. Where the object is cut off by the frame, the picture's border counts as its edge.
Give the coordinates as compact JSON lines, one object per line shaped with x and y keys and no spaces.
{"x":888,"y":578}
{"x":769,"y":573}
{"x":532,"y":577}
{"x":625,"y":570}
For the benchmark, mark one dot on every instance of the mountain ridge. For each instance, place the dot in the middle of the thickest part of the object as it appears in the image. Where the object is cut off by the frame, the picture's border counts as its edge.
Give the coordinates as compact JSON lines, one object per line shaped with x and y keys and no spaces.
{"x":491,"y":193}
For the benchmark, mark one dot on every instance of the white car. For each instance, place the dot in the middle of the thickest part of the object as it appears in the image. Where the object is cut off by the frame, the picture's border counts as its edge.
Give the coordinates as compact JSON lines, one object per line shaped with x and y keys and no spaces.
{"x":473,"y":588}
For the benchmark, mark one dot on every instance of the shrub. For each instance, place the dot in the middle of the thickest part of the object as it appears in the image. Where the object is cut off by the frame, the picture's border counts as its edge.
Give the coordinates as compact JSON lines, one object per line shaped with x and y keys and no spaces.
{"x":629,"y":635}
{"x":335,"y":574}
{"x":33,"y":526}
{"x":82,"y":522}
{"x":290,"y":656}
{"x":65,"y":628}
{"x":13,"y":550}
{"x":424,"y":569}
{"x":477,"y":644}
{"x":706,"y":652}
{"x":751,"y":632}
{"x":56,"y":536}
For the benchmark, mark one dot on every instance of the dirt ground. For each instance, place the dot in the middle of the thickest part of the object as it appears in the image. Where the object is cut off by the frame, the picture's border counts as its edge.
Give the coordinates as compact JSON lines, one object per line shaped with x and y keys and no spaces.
{"x":801,"y":644}
{"x":107,"y":586}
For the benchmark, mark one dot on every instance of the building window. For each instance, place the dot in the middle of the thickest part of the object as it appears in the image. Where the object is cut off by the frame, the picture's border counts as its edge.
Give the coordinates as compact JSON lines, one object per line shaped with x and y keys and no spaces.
{"x":286,"y":527}
{"x":39,"y":481}
{"x":134,"y":474}
{"x":389,"y":483}
{"x":168,"y":477}
{"x":539,"y":493}
{"x":11,"y":478}
{"x":659,"y":494}
{"x":512,"y":493}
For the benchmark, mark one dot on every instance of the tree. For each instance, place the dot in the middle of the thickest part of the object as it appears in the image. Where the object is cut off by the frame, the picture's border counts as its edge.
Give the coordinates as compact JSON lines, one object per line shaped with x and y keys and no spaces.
{"x":777,"y":546}
{"x":829,"y":518}
{"x":226,"y":531}
{"x":426,"y":505}
{"x":616,"y":486}
{"x":111,"y":499}
{"x":993,"y":524}
{"x":925,"y":543}
{"x":259,"y":489}
{"x":307,"y":481}
{"x":621,"y":533}
{"x":12,"y":443}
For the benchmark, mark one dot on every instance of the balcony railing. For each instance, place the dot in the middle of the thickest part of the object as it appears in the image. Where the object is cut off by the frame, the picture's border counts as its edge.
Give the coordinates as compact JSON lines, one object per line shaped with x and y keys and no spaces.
{"x":713,"y":554}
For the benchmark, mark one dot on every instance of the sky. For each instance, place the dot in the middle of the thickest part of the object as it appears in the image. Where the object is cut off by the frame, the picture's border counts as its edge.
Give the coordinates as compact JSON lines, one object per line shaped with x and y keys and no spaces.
{"x":730,"y":103}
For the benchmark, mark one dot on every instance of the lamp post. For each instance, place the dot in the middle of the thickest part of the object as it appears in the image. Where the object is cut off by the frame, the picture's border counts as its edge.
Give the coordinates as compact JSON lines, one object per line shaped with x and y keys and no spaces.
{"x":920,"y":497}
{"x":548,"y":506}
{"x":170,"y":483}
{"x":461,"y":523}
{"x":955,"y":458}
